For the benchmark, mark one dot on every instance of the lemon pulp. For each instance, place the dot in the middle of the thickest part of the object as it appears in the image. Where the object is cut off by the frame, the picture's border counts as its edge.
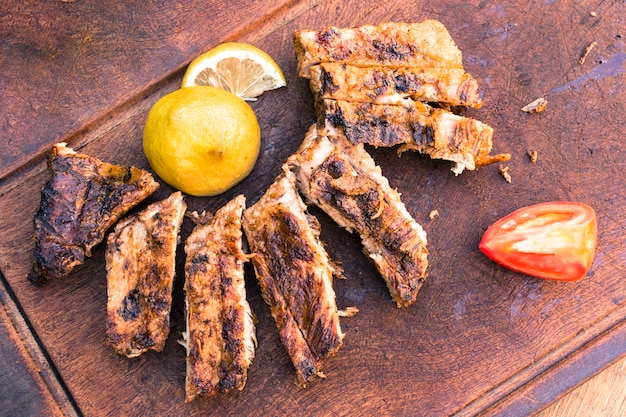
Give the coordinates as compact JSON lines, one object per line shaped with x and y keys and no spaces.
{"x":240,"y":68}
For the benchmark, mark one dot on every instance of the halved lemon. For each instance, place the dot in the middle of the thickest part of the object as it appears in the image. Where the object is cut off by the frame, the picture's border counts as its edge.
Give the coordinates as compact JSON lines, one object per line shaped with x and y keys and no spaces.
{"x":242,"y":69}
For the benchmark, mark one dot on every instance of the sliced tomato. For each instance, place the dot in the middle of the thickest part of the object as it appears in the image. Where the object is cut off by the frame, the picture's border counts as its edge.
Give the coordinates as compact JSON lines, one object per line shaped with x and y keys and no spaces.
{"x":555,"y":240}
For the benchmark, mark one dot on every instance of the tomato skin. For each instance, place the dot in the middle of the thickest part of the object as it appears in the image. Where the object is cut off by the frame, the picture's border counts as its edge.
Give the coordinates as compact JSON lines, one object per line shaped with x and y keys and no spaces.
{"x":555,"y":240}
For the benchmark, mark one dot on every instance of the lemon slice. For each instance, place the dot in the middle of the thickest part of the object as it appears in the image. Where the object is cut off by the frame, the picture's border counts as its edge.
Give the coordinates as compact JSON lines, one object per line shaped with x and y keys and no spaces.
{"x":242,"y":69}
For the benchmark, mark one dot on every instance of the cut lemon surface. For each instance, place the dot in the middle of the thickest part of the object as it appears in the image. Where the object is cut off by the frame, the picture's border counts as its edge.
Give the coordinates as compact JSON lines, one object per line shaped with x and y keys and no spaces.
{"x":242,"y":69}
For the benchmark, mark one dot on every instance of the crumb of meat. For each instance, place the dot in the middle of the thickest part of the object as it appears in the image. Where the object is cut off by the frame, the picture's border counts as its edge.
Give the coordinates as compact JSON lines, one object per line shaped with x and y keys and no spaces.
{"x":199,"y":218}
{"x":504,"y":171}
{"x":532,"y":155}
{"x":536,"y":106}
{"x":433,"y":214}
{"x":587,"y":50}
{"x":348,"y":312}
{"x":492,"y":159}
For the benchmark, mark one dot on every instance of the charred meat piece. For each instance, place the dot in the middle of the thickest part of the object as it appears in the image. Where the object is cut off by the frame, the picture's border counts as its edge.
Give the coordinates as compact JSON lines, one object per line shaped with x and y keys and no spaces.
{"x":396,"y":83}
{"x":383,"y":85}
{"x":415,"y":125}
{"x":295,"y":276}
{"x":427,"y":44}
{"x":344,"y":181}
{"x":220,"y":336}
{"x":140,"y":263}
{"x":83,"y":198}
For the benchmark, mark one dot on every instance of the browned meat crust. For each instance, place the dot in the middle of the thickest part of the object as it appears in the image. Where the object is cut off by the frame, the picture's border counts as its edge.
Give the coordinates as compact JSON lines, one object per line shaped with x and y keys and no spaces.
{"x":373,"y":82}
{"x":426,"y":44}
{"x":82,"y":199}
{"x":220,"y":337}
{"x":140,"y":263}
{"x":415,"y":125}
{"x":383,"y":85}
{"x":295,"y":276}
{"x":343,"y":180}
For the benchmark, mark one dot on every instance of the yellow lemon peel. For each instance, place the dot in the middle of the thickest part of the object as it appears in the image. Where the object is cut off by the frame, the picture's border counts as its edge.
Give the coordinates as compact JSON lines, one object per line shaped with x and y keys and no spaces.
{"x":201,"y":140}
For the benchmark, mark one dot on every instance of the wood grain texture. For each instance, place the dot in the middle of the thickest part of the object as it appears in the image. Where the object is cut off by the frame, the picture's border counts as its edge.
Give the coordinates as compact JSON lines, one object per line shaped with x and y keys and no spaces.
{"x":83,"y":59}
{"x":604,"y":395}
{"x":479,"y":339}
{"x":28,"y":386}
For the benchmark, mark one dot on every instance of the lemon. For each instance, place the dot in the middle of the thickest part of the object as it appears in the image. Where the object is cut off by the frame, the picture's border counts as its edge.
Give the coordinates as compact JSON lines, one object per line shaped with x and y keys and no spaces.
{"x":201,"y":140}
{"x":242,"y":69}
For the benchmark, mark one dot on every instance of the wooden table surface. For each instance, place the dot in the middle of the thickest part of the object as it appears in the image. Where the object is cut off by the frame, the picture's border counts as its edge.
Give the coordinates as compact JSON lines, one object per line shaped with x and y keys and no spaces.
{"x":480,"y":340}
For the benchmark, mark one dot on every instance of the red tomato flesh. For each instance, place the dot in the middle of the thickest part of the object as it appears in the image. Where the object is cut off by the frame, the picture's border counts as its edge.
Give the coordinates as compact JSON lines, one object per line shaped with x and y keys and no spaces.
{"x":555,"y":240}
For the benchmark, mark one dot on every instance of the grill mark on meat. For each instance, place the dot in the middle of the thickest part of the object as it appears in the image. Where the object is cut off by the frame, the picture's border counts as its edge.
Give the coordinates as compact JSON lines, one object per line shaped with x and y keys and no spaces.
{"x":383,"y":85}
{"x":372,"y":83}
{"x":391,"y":44}
{"x":295,"y":276}
{"x":361,"y":206}
{"x":343,"y":180}
{"x":140,"y":263}
{"x":326,"y":82}
{"x":82,"y":199}
{"x":376,"y":125}
{"x":414,"y":125}
{"x":392,"y":51}
{"x":130,"y":308}
{"x":220,"y":336}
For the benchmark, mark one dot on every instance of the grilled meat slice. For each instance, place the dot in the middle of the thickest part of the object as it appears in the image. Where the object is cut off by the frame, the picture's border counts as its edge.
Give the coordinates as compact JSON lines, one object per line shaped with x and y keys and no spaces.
{"x":140,"y":264}
{"x":295,"y":276}
{"x":382,"y":85}
{"x":344,"y":181}
{"x":374,"y":124}
{"x":427,"y":44}
{"x":417,"y":126}
{"x":82,"y":199}
{"x":220,"y":336}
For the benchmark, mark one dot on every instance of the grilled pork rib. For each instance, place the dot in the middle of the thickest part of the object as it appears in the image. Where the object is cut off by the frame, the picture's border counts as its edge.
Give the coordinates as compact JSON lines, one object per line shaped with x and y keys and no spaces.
{"x":344,"y":181}
{"x":140,"y":263}
{"x":419,"y":45}
{"x":295,"y":276}
{"x":83,"y":198}
{"x":382,"y":85}
{"x":220,"y":336}
{"x":373,"y":83}
{"x":415,"y":125}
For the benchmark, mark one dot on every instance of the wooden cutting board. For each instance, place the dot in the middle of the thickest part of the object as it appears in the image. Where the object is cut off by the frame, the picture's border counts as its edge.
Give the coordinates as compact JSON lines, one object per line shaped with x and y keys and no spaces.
{"x":479,"y":339}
